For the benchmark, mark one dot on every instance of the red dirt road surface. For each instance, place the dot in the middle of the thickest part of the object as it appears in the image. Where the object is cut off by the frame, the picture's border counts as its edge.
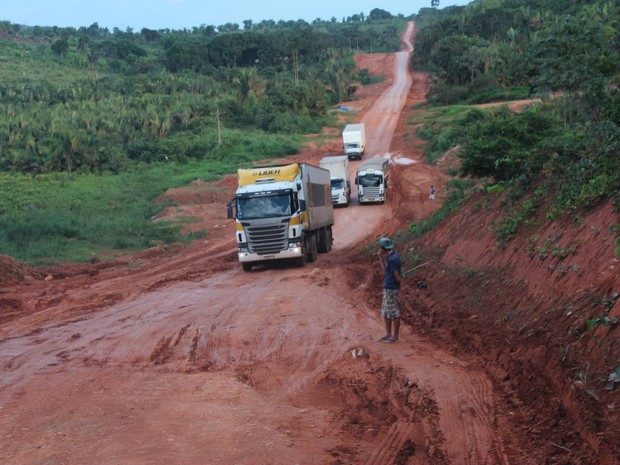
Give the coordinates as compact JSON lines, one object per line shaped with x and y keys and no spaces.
{"x":177,"y":356}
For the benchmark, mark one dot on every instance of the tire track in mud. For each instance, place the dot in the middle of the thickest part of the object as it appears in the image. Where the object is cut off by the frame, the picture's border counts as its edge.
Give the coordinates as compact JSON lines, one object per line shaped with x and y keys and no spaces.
{"x":451,"y":417}
{"x":386,"y":451}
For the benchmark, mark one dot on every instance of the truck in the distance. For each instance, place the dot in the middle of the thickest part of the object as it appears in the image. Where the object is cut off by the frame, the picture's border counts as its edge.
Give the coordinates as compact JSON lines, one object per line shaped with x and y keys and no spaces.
{"x":339,"y":174}
{"x":371,"y":179}
{"x":282,"y":212}
{"x":354,"y":140}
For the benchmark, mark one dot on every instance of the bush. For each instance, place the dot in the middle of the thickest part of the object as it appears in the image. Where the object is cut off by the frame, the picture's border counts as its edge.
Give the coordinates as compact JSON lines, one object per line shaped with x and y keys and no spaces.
{"x":504,"y":145}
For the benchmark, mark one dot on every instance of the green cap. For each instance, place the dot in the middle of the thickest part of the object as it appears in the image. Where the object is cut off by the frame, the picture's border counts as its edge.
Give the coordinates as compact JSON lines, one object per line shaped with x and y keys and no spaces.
{"x":386,"y":243}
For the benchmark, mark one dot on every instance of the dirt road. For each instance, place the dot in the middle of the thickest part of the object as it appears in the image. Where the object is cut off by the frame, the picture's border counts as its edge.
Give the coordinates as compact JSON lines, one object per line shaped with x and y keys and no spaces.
{"x":178,"y":356}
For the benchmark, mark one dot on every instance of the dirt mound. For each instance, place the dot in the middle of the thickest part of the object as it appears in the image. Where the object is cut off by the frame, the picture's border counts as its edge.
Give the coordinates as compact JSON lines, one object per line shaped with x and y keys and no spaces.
{"x":450,"y":162}
{"x":14,"y":272}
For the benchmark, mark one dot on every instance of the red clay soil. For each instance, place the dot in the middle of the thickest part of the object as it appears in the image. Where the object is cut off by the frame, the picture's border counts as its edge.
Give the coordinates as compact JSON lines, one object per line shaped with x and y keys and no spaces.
{"x":175,"y":355}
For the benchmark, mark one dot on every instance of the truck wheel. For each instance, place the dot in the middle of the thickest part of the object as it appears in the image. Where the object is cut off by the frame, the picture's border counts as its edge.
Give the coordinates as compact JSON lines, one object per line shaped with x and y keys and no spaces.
{"x":325,"y":240}
{"x":330,"y":239}
{"x":322,"y":247}
{"x":247,"y":266}
{"x":312,"y":247}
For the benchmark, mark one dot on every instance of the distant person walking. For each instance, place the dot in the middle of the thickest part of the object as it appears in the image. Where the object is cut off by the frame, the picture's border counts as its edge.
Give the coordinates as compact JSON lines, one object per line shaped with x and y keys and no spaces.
{"x":431,"y":196}
{"x":389,"y":260}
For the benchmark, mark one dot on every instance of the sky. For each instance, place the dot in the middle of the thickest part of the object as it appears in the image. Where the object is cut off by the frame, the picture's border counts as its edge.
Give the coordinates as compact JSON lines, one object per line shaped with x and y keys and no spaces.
{"x":182,"y":14}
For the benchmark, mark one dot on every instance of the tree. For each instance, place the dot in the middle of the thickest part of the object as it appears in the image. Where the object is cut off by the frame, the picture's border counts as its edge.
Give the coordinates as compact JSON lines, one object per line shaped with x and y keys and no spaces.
{"x":60,"y":47}
{"x":149,"y":34}
{"x":228,"y":27}
{"x":578,"y":55}
{"x":378,"y":14}
{"x":83,"y":43}
{"x":474,"y":60}
{"x":250,"y":85}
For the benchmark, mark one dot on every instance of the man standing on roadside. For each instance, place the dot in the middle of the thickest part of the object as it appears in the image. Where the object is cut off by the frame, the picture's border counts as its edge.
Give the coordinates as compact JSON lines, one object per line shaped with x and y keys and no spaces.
{"x":431,"y":195}
{"x":390,"y":310}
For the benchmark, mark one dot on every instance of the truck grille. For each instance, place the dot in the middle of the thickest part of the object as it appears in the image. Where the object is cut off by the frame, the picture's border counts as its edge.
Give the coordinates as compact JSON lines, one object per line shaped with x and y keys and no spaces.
{"x":265,"y":240}
{"x":371,"y":192}
{"x":334,"y":199}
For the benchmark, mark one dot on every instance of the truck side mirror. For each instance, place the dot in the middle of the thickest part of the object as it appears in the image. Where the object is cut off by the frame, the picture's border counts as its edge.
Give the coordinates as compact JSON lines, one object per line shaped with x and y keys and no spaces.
{"x":356,"y":180}
{"x":229,"y":210}
{"x":302,"y":205}
{"x":386,"y":183}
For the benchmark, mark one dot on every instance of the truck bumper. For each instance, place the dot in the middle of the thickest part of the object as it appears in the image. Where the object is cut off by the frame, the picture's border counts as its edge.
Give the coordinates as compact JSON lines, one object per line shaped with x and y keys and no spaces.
{"x":380,"y":198}
{"x":339,"y":200}
{"x":293,"y":251}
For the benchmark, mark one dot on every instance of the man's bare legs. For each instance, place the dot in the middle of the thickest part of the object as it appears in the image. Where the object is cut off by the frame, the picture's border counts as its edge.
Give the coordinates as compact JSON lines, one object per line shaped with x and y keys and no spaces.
{"x":389,"y":335}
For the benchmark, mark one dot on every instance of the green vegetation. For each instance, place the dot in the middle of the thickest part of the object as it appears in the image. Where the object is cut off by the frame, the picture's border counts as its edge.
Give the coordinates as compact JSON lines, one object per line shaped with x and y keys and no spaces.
{"x":96,"y":124}
{"x":601,"y":320}
{"x":564,"y":152}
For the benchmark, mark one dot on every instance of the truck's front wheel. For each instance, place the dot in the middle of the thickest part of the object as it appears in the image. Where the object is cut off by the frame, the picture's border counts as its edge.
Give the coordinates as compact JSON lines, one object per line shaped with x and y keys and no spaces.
{"x":247,"y":266}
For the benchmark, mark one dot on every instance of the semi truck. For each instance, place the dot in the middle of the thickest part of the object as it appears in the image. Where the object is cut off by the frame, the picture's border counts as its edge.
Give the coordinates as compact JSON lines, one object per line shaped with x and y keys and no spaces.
{"x":371,"y":179}
{"x":339,"y":175}
{"x":282,"y":212}
{"x":354,"y":141}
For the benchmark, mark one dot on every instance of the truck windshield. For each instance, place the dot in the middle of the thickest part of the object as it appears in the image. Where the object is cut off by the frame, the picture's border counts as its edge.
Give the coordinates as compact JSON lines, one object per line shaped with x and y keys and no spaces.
{"x":351,"y":146}
{"x":264,"y":207}
{"x":337,"y":184}
{"x":370,"y":180}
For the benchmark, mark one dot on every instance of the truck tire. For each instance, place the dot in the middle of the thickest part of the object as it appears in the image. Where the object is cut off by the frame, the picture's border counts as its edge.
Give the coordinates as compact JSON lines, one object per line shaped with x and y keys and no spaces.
{"x":325,"y":239}
{"x":312,"y":249}
{"x":329,"y":239}
{"x":246,"y":266}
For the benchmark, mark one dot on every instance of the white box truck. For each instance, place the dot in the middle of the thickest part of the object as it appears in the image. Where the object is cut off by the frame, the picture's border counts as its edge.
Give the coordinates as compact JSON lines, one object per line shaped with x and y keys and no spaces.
{"x":354,"y":140}
{"x":339,"y":175}
{"x":371,"y":179}
{"x":282,"y":212}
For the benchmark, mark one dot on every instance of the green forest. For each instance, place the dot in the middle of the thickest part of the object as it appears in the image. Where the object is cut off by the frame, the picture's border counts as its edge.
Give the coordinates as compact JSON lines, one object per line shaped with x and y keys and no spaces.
{"x":95,"y":124}
{"x":565,"y":149}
